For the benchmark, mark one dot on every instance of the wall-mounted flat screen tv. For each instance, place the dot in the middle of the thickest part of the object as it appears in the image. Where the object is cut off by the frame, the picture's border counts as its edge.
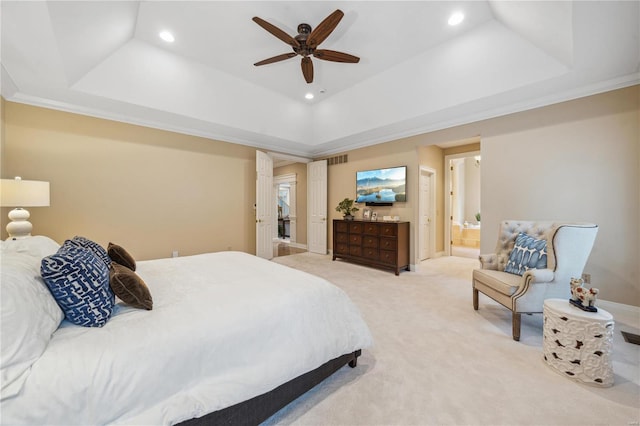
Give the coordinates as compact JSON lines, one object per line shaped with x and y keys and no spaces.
{"x":381,"y":186}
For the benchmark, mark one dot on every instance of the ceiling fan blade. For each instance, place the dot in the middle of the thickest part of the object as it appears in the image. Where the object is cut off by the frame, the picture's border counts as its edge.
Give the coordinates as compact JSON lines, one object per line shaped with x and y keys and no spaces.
{"x":276,"y":59}
{"x":332,"y":55}
{"x":307,"y":69}
{"x":324,"y":28}
{"x":276,"y":32}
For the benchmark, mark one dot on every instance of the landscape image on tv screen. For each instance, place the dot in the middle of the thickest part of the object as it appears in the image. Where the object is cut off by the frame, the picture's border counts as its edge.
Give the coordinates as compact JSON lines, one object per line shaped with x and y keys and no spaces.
{"x":381,"y":185}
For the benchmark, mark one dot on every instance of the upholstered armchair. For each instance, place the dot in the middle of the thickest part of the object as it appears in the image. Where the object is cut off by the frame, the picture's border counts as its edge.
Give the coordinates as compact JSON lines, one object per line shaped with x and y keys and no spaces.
{"x":567,"y":249}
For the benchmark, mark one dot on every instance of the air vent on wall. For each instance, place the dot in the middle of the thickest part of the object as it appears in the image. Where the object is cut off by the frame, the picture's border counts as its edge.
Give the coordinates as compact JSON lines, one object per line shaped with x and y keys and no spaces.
{"x":337,"y":160}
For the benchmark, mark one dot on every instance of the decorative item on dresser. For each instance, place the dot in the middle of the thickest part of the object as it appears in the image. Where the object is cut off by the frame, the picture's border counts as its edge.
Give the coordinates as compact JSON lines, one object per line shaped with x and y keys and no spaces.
{"x":379,"y":244}
{"x":347,"y":208}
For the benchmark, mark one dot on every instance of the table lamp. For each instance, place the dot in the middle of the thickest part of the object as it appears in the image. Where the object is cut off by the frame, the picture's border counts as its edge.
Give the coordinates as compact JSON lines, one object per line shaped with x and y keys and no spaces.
{"x":22,"y":193}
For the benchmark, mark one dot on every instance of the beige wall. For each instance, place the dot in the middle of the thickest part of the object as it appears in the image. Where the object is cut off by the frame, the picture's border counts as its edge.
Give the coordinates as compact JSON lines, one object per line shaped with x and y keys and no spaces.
{"x":154,"y":191}
{"x":150,"y":191}
{"x":300,"y":170}
{"x":573,"y":161}
{"x":342,"y":181}
{"x":576,"y":161}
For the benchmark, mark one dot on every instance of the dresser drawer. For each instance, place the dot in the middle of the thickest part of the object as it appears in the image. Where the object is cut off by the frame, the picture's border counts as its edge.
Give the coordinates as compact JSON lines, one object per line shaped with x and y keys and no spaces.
{"x":370,"y":253}
{"x":341,"y":248}
{"x":388,"y":244}
{"x":355,"y":251}
{"x":369,"y":241}
{"x":388,"y":229}
{"x":388,"y":257}
{"x":355,"y":227}
{"x":342,"y":238}
{"x":355,"y":239}
{"x":371,"y":228}
{"x":341,"y":226}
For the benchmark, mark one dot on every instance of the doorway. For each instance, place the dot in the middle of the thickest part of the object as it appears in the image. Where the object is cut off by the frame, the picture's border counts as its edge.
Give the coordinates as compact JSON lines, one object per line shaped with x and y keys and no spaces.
{"x":463,"y":205}
{"x":285,"y":190}
{"x":311,"y":205}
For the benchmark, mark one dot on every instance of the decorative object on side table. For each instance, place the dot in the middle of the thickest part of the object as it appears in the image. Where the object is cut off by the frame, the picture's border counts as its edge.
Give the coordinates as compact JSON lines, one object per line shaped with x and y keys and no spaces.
{"x":582,"y":297}
{"x":366,"y":214}
{"x":478,"y":217}
{"x":346,"y":208}
{"x":374,"y":216}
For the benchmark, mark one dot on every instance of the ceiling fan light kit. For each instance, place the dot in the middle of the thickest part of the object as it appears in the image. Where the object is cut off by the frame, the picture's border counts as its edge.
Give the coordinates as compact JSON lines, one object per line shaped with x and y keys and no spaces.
{"x":306,"y":42}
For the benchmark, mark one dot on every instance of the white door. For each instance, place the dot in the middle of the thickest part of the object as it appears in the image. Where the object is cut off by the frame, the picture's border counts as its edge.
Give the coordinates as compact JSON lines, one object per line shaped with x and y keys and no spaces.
{"x":264,"y":205}
{"x":426,"y":212}
{"x":317,"y":206}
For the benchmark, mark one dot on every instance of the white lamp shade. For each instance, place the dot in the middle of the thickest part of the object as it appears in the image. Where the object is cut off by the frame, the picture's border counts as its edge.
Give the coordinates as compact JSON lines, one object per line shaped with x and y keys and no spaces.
{"x":24,"y":193}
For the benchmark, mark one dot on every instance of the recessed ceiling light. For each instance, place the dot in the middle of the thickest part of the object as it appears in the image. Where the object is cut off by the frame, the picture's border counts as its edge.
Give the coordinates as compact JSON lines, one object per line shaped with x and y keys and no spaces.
{"x":167,"y":36}
{"x":456,"y":18}
{"x":308,"y":96}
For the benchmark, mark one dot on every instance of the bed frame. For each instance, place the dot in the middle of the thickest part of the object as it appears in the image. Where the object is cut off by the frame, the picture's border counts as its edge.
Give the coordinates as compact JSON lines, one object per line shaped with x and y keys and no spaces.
{"x":258,"y":409}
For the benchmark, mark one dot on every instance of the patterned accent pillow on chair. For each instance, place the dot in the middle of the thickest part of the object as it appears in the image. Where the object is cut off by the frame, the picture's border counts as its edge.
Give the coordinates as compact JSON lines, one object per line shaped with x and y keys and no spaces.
{"x":79,"y":281}
{"x":528,"y":253}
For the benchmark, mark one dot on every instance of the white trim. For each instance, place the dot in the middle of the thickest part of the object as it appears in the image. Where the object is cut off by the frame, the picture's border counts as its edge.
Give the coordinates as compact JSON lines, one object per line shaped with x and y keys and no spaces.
{"x":288,"y":178}
{"x":363,"y":139}
{"x":369,"y":138}
{"x":298,"y":245}
{"x":293,"y":158}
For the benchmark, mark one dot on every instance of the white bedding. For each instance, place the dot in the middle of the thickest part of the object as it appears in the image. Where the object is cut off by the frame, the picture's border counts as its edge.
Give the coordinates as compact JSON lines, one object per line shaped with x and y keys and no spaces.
{"x":224,"y":328}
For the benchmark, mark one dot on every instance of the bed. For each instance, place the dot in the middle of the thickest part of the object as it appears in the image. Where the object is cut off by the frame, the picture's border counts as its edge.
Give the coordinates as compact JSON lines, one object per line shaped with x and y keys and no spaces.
{"x":231,"y":338}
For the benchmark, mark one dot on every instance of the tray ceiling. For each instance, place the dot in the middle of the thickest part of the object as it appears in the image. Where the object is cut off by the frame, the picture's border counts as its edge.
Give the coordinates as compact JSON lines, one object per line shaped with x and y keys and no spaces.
{"x":416,"y":72}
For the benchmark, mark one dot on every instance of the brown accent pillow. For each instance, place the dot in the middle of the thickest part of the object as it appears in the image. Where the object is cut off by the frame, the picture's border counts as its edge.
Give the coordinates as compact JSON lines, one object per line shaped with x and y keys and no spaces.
{"x":129,"y":287}
{"x":120,"y":255}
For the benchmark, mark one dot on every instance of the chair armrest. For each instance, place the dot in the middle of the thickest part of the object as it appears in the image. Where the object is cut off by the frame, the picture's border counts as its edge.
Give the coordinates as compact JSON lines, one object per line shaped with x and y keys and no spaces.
{"x":539,"y":275}
{"x":488,"y":261}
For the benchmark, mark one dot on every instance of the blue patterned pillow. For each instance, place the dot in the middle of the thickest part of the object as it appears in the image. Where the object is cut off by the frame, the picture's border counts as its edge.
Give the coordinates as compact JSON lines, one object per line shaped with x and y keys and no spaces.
{"x":528,"y":253}
{"x":79,"y":281}
{"x":96,"y":248}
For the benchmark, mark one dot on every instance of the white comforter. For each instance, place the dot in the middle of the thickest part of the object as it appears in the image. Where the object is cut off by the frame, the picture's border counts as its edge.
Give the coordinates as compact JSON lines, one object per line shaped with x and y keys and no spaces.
{"x":224,"y":328}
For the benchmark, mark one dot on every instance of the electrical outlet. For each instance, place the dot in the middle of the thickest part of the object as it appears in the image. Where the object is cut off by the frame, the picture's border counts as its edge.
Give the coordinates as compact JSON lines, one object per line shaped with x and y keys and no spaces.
{"x":586,"y":278}
{"x":174,"y":253}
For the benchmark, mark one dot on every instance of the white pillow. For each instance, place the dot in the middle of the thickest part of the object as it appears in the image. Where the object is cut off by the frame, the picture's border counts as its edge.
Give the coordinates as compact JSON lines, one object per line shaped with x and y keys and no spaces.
{"x":28,"y":314}
{"x":37,"y":245}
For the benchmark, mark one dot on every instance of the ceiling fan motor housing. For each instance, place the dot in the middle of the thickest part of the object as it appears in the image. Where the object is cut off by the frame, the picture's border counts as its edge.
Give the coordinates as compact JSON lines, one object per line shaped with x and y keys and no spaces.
{"x":303,"y":32}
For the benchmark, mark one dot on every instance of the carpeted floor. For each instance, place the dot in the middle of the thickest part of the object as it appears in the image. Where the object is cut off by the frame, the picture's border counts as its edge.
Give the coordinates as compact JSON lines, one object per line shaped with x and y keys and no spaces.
{"x":436,"y":361}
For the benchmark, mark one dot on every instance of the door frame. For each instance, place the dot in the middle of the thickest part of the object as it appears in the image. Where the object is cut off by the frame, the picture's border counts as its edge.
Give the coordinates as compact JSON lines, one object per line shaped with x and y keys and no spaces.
{"x":431,"y":213}
{"x":448,"y":196}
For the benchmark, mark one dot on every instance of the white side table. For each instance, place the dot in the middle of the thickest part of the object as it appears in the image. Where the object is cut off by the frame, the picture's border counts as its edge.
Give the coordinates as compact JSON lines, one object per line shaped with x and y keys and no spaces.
{"x":578,"y":344}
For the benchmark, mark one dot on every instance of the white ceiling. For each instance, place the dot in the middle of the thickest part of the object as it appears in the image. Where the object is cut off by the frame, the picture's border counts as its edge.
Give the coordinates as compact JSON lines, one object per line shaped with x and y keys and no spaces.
{"x":416,"y":72}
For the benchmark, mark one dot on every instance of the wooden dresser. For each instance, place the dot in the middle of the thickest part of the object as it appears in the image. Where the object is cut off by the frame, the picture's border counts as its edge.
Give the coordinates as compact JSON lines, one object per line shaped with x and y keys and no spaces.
{"x":380,"y":244}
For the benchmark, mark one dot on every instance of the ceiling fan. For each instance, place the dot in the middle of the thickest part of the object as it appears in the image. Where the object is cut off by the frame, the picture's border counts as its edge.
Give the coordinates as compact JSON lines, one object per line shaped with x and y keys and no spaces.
{"x":306,"y":42}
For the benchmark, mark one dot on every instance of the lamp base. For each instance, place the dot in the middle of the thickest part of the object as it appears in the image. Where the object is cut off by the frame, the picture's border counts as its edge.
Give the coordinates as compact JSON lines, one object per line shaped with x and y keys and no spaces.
{"x":19,"y":227}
